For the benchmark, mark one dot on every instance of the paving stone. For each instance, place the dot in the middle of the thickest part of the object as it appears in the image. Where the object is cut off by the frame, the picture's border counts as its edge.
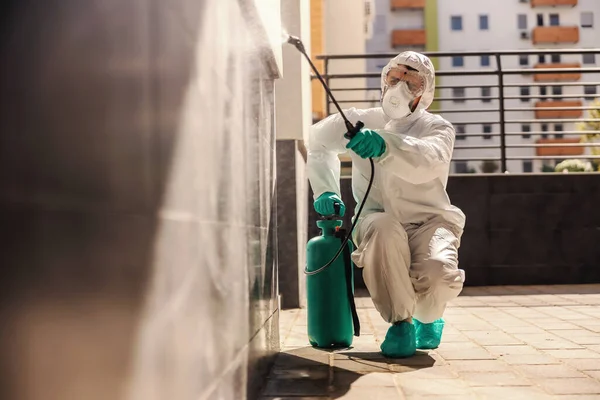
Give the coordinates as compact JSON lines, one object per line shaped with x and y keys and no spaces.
{"x":473,"y":353}
{"x":550,"y":371}
{"x":570,"y":385}
{"x":522,"y":329}
{"x":512,"y":393}
{"x":454,"y":338}
{"x":362,"y":393}
{"x":583,"y":364}
{"x":530,"y":359}
{"x":362,"y":366}
{"x":511,"y":350}
{"x":294,"y":398}
{"x":422,"y":387}
{"x":495,"y":379}
{"x":593,"y":374}
{"x":492,"y":338}
{"x":437,"y":372}
{"x":470,"y":396}
{"x":577,"y":353}
{"x":292,"y":387}
{"x":373,"y":379}
{"x":479,"y":365}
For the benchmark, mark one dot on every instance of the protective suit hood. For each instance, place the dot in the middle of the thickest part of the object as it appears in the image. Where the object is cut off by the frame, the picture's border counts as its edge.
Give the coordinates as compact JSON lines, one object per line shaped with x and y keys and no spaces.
{"x":422,"y":64}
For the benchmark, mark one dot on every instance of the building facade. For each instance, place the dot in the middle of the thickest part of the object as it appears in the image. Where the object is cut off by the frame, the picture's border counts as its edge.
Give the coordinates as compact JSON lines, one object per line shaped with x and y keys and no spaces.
{"x":473,"y":25}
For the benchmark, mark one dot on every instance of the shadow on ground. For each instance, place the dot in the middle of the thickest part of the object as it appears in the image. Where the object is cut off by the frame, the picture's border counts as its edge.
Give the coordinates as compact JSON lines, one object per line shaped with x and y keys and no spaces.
{"x":312,"y":372}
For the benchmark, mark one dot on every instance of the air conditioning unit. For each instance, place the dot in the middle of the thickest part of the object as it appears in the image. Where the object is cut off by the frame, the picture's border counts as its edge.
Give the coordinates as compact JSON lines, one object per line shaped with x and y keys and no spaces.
{"x":523,"y":1}
{"x":524,"y":35}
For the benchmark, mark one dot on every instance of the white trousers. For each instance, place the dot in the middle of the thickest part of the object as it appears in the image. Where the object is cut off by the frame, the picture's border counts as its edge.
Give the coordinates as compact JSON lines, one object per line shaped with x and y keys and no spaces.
{"x":410,"y":272}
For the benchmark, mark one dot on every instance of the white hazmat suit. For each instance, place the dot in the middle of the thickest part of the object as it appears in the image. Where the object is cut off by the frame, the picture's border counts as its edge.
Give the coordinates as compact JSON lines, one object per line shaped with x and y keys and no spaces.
{"x":409,"y":232}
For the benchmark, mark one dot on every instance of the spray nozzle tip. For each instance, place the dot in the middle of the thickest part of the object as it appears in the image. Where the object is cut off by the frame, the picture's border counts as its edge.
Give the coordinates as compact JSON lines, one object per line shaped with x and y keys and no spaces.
{"x":296,"y":42}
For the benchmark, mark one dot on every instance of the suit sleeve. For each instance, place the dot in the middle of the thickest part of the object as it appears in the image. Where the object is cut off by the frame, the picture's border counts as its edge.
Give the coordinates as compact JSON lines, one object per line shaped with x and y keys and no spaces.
{"x":419,"y":160}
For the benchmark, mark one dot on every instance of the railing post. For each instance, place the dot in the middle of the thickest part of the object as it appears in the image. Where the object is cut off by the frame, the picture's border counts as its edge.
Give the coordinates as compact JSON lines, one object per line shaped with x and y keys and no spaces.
{"x":502,"y":112}
{"x":326,"y":71}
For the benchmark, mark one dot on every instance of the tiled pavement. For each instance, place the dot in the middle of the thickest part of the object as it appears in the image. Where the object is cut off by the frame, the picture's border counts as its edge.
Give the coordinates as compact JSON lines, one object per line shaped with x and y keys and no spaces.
{"x":526,"y":342}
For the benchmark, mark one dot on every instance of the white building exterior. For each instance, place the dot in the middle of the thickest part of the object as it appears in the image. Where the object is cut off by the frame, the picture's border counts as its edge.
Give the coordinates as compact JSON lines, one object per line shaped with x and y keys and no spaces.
{"x":510,"y":26}
{"x":504,"y":33}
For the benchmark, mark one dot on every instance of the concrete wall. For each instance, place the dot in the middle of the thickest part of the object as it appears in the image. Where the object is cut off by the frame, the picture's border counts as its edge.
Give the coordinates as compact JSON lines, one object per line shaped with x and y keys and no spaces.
{"x":137,"y":200}
{"x":522,"y":229}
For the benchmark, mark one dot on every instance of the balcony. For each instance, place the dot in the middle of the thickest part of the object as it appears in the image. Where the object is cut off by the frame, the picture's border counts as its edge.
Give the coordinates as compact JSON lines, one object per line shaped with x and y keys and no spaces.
{"x":406,"y":4}
{"x":555,"y":34}
{"x":558,"y":76}
{"x":559,"y":150}
{"x":553,"y":3}
{"x":543,"y":110}
{"x":408,"y":37}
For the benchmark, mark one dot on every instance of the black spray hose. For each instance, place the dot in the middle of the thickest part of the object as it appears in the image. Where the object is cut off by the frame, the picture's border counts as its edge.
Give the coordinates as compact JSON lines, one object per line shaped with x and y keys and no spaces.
{"x":352,"y":130}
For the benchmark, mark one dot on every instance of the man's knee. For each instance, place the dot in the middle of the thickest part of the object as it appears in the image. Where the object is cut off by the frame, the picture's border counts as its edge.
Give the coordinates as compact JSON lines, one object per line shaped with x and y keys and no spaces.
{"x":438,"y":275}
{"x":386,"y":226}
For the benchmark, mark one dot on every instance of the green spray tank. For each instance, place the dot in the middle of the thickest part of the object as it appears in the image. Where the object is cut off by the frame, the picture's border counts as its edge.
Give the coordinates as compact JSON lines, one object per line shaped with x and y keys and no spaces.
{"x":332,"y":317}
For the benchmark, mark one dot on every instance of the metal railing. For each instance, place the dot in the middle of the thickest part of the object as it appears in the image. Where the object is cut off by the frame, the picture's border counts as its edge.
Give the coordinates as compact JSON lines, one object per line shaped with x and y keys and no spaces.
{"x":501,"y":84}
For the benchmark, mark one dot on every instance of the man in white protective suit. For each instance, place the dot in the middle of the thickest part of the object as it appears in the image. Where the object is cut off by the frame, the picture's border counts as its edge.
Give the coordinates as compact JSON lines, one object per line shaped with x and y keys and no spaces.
{"x":408,"y":233}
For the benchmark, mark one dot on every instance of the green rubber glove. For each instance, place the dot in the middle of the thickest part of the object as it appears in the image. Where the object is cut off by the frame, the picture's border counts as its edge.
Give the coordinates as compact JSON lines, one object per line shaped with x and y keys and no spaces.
{"x":324,"y":204}
{"x":367,"y":144}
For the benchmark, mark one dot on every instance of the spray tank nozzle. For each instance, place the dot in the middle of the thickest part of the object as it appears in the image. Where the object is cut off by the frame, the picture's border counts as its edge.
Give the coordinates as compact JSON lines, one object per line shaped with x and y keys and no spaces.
{"x":297,"y":43}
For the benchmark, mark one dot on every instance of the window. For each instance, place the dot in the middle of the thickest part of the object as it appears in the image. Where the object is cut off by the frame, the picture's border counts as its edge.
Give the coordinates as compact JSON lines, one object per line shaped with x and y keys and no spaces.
{"x":555,"y":58}
{"x":525,"y":128}
{"x":522,"y":21}
{"x":542,"y":59}
{"x":590,"y":89}
{"x":557,"y":91}
{"x":460,"y":167}
{"x":523,"y":59}
{"x":484,"y":23}
{"x":486,"y":92}
{"x":589,"y":59}
{"x":554,"y":20}
{"x":544,"y":129}
{"x":460,"y":131}
{"x":527,"y":166}
{"x":457,"y":93}
{"x":456,"y":23}
{"x":458,"y":61}
{"x":558,"y":128}
{"x":543,"y":92}
{"x":540,"y":20}
{"x":524,"y":92}
{"x":487,"y":129}
{"x":587,"y":19}
{"x":485,"y":61}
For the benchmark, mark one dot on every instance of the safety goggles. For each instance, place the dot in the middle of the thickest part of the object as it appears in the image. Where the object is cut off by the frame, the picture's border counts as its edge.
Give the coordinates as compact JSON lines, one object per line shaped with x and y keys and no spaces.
{"x":411,"y":78}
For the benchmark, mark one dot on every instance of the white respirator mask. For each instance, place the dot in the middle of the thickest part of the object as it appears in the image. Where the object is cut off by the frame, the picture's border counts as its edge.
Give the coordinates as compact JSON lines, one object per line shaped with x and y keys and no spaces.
{"x":402,"y":87}
{"x":396,"y":101}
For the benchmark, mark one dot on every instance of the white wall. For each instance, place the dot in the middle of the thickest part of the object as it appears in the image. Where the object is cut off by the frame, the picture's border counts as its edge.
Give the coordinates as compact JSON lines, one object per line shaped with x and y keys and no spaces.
{"x":344,"y":31}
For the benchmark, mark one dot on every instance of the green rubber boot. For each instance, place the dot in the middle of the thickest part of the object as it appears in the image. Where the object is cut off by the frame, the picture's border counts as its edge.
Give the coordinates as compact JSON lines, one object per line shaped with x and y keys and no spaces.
{"x":429,"y":336}
{"x":400,"y":341}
